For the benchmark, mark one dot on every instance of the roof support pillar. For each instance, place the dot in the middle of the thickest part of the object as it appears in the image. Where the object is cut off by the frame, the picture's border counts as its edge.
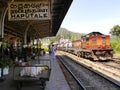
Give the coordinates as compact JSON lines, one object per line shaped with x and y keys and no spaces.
{"x":25,"y":34}
{"x":2,"y":18}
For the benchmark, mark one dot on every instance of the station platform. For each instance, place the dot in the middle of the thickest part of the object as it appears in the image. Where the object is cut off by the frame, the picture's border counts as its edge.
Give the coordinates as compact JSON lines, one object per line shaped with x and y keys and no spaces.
{"x":56,"y":82}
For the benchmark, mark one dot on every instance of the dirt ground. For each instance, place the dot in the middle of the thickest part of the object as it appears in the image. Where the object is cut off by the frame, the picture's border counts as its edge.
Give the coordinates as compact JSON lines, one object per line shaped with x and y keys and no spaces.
{"x":117,"y":55}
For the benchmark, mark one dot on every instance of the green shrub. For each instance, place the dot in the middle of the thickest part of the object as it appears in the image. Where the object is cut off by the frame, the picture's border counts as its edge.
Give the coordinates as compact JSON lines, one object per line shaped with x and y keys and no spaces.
{"x":116,"y":46}
{"x":46,"y":49}
{"x":6,"y":61}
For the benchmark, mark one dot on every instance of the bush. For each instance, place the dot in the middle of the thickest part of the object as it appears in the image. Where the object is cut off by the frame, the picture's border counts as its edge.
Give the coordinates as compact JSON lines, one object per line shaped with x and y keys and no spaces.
{"x":6,"y":61}
{"x":45,"y":48}
{"x":116,"y":46}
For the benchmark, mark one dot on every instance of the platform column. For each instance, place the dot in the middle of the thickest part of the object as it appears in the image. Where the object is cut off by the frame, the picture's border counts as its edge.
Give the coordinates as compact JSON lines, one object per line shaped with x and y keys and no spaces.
{"x":2,"y":18}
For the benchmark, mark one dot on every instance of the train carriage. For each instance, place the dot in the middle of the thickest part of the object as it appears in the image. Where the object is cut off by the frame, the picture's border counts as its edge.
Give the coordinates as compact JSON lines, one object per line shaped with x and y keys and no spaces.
{"x":94,"y":45}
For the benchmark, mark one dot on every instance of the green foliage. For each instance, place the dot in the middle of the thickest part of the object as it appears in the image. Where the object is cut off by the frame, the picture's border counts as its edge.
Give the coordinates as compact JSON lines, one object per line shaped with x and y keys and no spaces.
{"x":64,"y":33}
{"x":6,"y":61}
{"x":67,"y":34}
{"x":45,"y":48}
{"x":115,"y":45}
{"x":18,"y":53}
{"x":115,"y":41}
{"x":115,"y":31}
{"x":52,"y":39}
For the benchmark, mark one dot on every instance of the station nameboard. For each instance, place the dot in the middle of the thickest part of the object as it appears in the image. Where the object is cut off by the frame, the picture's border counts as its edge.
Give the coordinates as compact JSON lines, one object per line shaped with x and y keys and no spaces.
{"x":29,"y":10}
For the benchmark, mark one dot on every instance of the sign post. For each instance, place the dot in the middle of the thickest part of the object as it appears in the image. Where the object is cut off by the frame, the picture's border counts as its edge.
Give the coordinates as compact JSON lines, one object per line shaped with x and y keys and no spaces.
{"x":29,"y":10}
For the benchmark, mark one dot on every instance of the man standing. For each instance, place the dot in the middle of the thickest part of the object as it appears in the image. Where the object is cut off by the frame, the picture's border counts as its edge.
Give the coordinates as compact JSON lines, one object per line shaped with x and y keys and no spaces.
{"x":53,"y":52}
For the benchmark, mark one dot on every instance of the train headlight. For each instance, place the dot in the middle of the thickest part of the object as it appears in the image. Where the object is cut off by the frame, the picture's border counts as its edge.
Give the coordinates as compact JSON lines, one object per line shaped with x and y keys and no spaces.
{"x":103,"y":52}
{"x":97,"y":52}
{"x":112,"y":52}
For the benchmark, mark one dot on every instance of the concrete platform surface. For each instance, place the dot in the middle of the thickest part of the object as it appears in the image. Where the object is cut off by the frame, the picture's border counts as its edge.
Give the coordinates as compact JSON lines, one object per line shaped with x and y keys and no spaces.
{"x":57,"y":80}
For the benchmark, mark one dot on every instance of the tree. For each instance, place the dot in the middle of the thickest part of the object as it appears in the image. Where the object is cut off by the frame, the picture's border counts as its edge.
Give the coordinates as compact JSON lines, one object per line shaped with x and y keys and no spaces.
{"x":66,"y":34}
{"x":115,"y":31}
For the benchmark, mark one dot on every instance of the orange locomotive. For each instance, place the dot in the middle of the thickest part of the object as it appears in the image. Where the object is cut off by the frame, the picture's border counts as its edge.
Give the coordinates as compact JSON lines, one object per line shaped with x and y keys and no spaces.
{"x":94,"y":45}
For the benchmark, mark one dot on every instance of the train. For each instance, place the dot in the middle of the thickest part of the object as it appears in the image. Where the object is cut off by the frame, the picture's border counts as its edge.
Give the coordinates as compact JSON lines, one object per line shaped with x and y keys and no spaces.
{"x":94,"y":45}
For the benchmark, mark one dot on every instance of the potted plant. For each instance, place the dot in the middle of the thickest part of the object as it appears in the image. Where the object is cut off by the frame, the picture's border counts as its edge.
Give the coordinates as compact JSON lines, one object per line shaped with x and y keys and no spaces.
{"x":5,"y":63}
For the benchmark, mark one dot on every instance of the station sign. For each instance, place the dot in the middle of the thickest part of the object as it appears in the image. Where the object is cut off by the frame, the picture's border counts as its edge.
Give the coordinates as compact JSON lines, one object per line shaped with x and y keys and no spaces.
{"x":29,"y":10}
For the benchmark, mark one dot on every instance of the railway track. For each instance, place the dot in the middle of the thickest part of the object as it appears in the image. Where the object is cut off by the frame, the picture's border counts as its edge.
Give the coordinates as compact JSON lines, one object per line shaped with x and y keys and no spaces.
{"x":109,"y":68}
{"x":90,"y":79}
{"x":116,"y":60}
{"x":111,"y":65}
{"x":74,"y":84}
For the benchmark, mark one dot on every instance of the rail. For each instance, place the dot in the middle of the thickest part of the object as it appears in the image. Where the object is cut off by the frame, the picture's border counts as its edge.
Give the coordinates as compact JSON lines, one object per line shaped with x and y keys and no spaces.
{"x":72,"y":74}
{"x":98,"y":73}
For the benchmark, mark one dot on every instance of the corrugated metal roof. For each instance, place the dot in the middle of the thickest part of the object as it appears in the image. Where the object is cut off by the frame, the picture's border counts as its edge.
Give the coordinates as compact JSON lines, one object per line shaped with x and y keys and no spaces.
{"x":36,"y":28}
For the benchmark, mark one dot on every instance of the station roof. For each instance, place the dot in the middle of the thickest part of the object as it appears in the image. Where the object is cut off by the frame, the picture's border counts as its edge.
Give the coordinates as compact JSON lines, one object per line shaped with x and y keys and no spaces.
{"x":37,"y":28}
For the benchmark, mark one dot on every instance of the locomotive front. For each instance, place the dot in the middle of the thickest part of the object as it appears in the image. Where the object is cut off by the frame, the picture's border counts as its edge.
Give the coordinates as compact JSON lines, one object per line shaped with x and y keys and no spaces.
{"x":99,"y":46}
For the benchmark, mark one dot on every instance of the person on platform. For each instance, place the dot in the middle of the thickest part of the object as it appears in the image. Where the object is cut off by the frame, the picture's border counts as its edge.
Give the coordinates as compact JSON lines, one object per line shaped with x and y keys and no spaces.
{"x":50,"y":47}
{"x":53,"y":52}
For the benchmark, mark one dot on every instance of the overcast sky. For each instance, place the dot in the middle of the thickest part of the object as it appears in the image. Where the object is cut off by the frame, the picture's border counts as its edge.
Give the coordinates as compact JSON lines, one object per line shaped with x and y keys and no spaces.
{"x":85,"y":16}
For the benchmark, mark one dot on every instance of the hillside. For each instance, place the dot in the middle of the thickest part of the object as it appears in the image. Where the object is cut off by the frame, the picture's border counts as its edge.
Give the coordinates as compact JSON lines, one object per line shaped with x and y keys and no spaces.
{"x":67,"y":34}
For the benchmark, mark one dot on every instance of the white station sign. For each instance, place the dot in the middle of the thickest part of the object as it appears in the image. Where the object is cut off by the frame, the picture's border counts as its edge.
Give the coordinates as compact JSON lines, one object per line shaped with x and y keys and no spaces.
{"x":29,"y":10}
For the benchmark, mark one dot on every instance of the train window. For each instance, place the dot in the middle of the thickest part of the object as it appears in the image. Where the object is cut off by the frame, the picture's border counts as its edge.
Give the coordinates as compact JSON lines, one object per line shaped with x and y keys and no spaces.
{"x":87,"y":38}
{"x":103,"y":42}
{"x":94,"y":41}
{"x":84,"y":39}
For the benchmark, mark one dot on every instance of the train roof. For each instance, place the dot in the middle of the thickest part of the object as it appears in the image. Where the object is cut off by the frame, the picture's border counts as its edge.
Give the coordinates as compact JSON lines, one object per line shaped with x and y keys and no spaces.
{"x":76,"y":40}
{"x":93,"y":34}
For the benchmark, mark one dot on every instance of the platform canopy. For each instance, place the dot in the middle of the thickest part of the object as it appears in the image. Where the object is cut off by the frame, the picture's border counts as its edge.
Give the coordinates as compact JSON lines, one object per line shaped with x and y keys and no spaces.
{"x":37,"y":18}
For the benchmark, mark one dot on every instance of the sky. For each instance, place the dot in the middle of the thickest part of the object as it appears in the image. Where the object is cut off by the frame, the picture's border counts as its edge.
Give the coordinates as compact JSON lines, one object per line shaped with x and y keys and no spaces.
{"x":85,"y":16}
